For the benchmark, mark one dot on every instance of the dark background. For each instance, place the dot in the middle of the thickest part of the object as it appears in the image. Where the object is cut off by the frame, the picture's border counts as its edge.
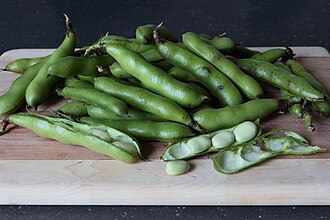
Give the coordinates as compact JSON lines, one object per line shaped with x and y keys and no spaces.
{"x":39,"y":24}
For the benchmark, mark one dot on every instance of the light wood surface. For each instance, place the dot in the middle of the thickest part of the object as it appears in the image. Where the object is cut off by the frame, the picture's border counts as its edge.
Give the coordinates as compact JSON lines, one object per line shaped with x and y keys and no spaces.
{"x":36,"y":170}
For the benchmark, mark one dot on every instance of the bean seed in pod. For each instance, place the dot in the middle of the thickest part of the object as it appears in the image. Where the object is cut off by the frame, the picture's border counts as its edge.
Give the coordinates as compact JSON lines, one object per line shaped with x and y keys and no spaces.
{"x":223,"y":139}
{"x":199,"y":144}
{"x":204,"y":143}
{"x":245,"y":131}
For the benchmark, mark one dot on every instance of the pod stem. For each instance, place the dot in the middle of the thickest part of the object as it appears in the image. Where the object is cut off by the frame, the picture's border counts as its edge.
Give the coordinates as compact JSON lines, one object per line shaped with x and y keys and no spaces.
{"x":156,"y":35}
{"x":308,"y":118}
{"x":197,"y":128}
{"x":68,"y":24}
{"x":288,"y":54}
{"x":3,"y":125}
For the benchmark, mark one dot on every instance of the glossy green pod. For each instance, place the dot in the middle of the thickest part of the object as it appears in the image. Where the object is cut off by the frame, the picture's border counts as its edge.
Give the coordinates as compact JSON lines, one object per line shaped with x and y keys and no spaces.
{"x":43,"y":85}
{"x":144,"y":33}
{"x":71,"y":66}
{"x":146,"y":130}
{"x":280,"y":78}
{"x":93,"y":96}
{"x":21,"y":65}
{"x":144,"y":100}
{"x":155,"y":78}
{"x":214,"y":119}
{"x":14,"y":98}
{"x":246,"y":84}
{"x":202,"y":70}
{"x":132,"y":114}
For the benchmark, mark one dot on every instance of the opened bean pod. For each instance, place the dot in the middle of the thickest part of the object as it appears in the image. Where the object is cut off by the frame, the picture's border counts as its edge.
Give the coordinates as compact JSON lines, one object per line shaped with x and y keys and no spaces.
{"x":212,"y":142}
{"x":236,"y":158}
{"x":98,"y":138}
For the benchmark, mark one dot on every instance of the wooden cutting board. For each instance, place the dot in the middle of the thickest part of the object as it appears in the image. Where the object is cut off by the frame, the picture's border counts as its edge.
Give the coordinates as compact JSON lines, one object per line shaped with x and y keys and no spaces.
{"x":35,"y":170}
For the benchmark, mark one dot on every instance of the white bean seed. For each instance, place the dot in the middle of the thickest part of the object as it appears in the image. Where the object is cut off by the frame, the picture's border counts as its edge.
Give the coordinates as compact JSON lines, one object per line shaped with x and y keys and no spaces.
{"x":199,"y":144}
{"x":245,"y":131}
{"x":177,"y":167}
{"x":223,"y":139}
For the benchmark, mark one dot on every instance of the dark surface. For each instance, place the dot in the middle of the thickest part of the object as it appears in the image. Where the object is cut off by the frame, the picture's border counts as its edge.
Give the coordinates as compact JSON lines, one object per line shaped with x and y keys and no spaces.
{"x":39,"y":24}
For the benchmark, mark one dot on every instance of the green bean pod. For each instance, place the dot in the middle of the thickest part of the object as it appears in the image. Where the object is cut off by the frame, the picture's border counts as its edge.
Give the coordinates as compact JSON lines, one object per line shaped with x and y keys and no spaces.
{"x":298,"y":69}
{"x":133,"y":114}
{"x":144,"y":35}
{"x":117,"y":71}
{"x":89,"y":79}
{"x":247,"y":85}
{"x":144,"y":100}
{"x":154,"y":78}
{"x":214,"y":119}
{"x":93,"y":96}
{"x":202,"y":70}
{"x":243,"y":52}
{"x":206,"y":143}
{"x":273,"y":54}
{"x":181,"y":74}
{"x":146,"y":130}
{"x":164,"y":65}
{"x":280,"y":78}
{"x":127,"y":43}
{"x":21,"y":65}
{"x":152,"y":55}
{"x":98,"y":138}
{"x":42,"y":85}
{"x":71,"y":66}
{"x":224,"y":44}
{"x":74,"y":82}
{"x":280,"y":64}
{"x":75,"y":108}
{"x":14,"y":98}
{"x":236,"y":158}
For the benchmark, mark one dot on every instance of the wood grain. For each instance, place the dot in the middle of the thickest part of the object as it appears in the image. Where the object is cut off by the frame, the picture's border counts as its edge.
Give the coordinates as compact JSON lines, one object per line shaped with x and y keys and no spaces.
{"x":36,"y":170}
{"x":109,"y":182}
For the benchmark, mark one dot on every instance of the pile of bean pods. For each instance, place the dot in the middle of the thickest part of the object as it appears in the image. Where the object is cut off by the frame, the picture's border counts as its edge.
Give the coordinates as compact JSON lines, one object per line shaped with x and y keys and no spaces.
{"x":202,"y":95}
